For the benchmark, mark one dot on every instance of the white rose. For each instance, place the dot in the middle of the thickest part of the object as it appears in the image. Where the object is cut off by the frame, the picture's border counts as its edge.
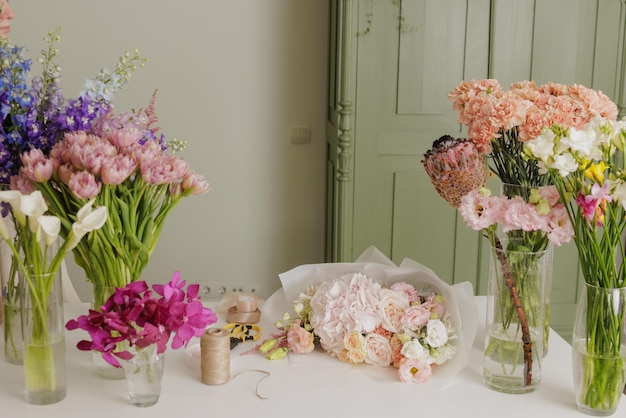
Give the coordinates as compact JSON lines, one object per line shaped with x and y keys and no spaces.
{"x":437,"y":334}
{"x":413,"y":349}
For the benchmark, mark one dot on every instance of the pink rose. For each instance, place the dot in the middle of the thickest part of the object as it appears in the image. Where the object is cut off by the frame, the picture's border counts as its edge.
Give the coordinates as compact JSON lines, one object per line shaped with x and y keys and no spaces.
{"x":377,"y":350}
{"x":299,"y":339}
{"x":393,"y":303}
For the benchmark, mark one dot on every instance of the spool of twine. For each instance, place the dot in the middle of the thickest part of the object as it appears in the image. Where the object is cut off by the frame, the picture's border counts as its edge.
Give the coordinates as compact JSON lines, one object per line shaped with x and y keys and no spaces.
{"x":215,"y":356}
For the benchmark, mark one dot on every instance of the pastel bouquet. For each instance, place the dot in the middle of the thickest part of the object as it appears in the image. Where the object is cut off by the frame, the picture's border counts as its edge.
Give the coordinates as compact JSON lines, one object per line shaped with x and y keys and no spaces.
{"x":357,"y":320}
{"x":85,"y":151}
{"x":137,"y":317}
{"x":373,"y":313}
{"x":586,"y":165}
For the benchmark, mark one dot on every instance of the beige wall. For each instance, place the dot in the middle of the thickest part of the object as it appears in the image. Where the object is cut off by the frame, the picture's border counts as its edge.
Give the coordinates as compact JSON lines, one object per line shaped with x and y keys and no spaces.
{"x":233,"y":76}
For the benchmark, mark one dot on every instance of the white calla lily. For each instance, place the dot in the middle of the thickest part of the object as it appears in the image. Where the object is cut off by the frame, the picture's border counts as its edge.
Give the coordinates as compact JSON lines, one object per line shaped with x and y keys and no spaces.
{"x":51,"y":227}
{"x":33,"y":206}
{"x":88,"y":220}
{"x":4,"y":229}
{"x":13,"y":198}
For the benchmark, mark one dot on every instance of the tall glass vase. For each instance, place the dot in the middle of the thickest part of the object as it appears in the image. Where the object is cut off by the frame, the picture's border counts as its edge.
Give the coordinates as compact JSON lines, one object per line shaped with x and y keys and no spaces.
{"x":11,"y":311}
{"x":515,"y":317}
{"x":599,"y":349}
{"x":534,"y":241}
{"x":44,"y":337}
{"x":101,"y":367}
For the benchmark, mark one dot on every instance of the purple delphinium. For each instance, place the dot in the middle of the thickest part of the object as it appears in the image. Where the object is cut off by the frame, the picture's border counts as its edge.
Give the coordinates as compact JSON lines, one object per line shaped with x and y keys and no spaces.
{"x":133,"y":315}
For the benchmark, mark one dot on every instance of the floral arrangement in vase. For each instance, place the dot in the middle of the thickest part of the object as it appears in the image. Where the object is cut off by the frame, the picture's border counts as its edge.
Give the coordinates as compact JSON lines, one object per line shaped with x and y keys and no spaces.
{"x":35,"y":114}
{"x":38,"y":256}
{"x":142,"y":317}
{"x":591,"y":181}
{"x":500,"y":121}
{"x":82,"y":150}
{"x":357,"y":320}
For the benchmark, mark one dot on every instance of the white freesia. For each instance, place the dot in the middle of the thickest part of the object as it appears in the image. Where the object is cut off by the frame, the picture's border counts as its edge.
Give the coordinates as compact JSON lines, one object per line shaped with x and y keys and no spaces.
{"x":542,"y":147}
{"x":565,"y":164}
{"x":443,"y":354}
{"x":51,"y":227}
{"x":437,"y":334}
{"x":619,"y":193}
{"x":580,"y":142}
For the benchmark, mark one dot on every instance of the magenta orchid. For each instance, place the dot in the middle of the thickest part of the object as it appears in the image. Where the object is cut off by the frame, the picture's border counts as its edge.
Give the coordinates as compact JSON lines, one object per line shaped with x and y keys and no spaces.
{"x":133,"y":315}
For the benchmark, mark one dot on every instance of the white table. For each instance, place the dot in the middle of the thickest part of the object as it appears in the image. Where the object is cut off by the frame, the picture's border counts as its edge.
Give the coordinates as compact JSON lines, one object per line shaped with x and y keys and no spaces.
{"x":332,"y":390}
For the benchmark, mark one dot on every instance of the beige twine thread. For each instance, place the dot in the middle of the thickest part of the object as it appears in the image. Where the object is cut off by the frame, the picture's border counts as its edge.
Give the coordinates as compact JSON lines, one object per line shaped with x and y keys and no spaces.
{"x":215,"y":359}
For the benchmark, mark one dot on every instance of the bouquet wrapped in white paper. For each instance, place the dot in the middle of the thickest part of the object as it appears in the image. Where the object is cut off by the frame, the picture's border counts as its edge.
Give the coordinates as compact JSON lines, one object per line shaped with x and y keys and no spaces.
{"x":372,"y":311}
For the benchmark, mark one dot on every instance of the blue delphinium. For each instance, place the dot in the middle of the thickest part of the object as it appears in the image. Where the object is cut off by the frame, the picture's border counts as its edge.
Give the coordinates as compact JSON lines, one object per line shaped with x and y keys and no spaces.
{"x":36,"y":116}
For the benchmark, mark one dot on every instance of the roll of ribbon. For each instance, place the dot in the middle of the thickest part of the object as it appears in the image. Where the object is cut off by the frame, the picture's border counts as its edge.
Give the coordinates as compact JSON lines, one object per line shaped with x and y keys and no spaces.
{"x":215,"y":356}
{"x":244,"y":311}
{"x":246,"y":303}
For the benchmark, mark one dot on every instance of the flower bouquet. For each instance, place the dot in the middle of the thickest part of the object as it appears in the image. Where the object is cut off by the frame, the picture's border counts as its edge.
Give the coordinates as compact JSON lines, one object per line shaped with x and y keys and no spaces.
{"x":35,"y":253}
{"x":135,"y":325}
{"x":35,"y":114}
{"x":81,"y":150}
{"x":591,"y":180}
{"x":375,"y":313}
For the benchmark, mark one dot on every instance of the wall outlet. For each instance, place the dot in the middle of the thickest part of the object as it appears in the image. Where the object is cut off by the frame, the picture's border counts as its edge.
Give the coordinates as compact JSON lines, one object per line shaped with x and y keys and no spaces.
{"x":217,"y":290}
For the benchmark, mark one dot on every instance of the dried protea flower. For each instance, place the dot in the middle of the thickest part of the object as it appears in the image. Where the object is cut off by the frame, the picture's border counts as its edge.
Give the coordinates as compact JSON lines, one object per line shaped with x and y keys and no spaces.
{"x":455,"y":167}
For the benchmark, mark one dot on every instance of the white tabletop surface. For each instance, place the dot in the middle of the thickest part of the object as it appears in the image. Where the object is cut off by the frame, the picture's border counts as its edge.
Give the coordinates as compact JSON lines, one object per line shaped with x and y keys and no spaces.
{"x":330,"y":389}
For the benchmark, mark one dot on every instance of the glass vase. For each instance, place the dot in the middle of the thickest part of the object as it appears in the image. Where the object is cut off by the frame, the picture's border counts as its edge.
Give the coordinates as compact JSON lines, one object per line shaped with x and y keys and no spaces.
{"x":599,"y":349}
{"x":11,"y":312}
{"x":143,"y":375}
{"x":101,"y":367}
{"x":44,"y":337}
{"x":536,"y":241}
{"x":515,"y":317}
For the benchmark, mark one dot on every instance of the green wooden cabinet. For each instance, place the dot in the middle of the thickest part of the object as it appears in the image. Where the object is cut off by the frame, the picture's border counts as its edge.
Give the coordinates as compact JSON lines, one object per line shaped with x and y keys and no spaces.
{"x":392,"y":64}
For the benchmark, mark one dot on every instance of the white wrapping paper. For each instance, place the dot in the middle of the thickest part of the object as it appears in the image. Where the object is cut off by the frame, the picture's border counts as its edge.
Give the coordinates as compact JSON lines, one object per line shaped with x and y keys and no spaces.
{"x":373,"y":263}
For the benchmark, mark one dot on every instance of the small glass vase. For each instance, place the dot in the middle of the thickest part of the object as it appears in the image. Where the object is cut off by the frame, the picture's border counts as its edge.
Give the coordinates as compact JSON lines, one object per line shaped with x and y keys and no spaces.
{"x":101,"y":367}
{"x":44,"y":337}
{"x":143,"y":375}
{"x":12,"y":313}
{"x":515,"y":317}
{"x":599,"y":349}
